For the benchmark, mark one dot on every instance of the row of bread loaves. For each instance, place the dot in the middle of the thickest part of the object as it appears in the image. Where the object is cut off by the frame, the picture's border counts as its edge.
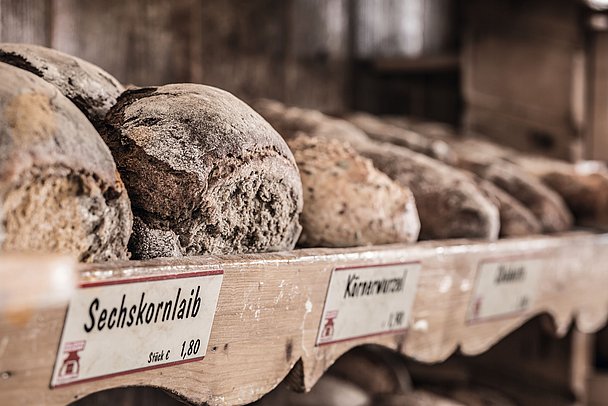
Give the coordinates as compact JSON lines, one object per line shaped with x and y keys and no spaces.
{"x":203,"y":171}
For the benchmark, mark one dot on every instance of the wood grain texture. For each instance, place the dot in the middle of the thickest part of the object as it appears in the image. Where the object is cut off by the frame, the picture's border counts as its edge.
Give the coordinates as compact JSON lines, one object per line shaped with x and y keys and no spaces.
{"x":243,"y":46}
{"x":270,"y":308}
{"x":142,"y":42}
{"x":596,"y":142}
{"x":519,"y":72}
{"x":25,"y":21}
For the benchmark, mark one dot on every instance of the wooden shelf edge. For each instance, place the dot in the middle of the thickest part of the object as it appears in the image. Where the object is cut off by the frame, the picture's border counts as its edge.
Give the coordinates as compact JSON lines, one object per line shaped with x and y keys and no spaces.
{"x":270,"y":306}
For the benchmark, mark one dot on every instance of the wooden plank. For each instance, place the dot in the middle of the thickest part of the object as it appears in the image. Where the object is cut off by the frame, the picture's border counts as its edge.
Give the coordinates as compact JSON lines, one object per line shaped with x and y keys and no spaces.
{"x":521,"y":130}
{"x":316,"y":64}
{"x":243,"y":46}
{"x":142,"y":42}
{"x":270,"y":308}
{"x":596,"y":142}
{"x":522,"y":59}
{"x":25,"y":21}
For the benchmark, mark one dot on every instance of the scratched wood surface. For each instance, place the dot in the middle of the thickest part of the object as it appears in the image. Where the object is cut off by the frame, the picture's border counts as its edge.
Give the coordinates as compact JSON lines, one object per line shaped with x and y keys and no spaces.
{"x":270,"y":307}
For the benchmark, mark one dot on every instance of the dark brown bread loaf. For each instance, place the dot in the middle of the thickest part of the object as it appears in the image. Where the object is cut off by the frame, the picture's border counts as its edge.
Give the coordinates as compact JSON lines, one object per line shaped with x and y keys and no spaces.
{"x":487,"y":160}
{"x":205,"y":173}
{"x":90,"y":88}
{"x":348,"y":202}
{"x":515,"y":219}
{"x":380,"y":130}
{"x":584,"y":186}
{"x":449,"y":203}
{"x":59,"y":188}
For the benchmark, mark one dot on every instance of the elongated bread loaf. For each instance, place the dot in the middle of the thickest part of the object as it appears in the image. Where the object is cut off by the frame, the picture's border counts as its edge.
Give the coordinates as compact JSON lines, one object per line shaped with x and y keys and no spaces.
{"x":380,"y":130}
{"x":59,"y":188}
{"x":348,"y":202}
{"x":584,"y":186}
{"x":516,"y":220}
{"x":489,"y":161}
{"x":206,"y":173}
{"x":449,"y":203}
{"x":91,"y":89}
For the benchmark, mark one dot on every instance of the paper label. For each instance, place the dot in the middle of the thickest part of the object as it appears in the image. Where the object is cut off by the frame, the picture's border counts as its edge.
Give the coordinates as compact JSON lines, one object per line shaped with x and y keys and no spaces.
{"x":504,"y":287}
{"x":114,"y":328}
{"x":368,"y":300}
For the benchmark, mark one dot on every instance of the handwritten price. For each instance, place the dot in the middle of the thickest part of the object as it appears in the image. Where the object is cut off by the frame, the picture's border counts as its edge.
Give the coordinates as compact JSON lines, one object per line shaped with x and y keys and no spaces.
{"x":192,"y":349}
{"x":395,"y":319}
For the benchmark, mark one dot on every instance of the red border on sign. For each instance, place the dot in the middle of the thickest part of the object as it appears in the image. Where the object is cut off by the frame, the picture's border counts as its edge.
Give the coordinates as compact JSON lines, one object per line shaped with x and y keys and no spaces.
{"x":379,"y":333}
{"x":151,"y":278}
{"x":156,"y":278}
{"x":522,"y":257}
{"x":130,"y":371}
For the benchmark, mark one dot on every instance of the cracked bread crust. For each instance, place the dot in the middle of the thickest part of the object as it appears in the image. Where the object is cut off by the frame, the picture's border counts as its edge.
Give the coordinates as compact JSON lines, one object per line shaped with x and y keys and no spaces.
{"x":60,"y":191}
{"x":348,"y":202}
{"x":90,"y":88}
{"x":206,"y":174}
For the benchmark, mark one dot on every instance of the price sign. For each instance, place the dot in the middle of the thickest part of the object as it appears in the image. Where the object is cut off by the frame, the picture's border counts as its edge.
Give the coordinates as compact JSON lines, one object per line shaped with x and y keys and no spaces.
{"x":369,"y":300}
{"x":504,"y":287}
{"x":117,"y":327}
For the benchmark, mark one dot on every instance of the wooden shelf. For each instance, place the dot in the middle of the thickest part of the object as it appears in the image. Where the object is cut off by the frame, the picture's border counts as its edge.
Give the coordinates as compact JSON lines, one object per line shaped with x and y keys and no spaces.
{"x":270,"y":307}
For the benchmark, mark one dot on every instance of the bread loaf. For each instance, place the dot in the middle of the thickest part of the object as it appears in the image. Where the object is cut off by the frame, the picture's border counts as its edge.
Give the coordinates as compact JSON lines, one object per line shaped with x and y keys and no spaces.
{"x":487,"y":160}
{"x":584,"y":187}
{"x":90,"y":88}
{"x":379,"y":130}
{"x":205,"y":173}
{"x":449,"y":203}
{"x":59,"y":188}
{"x":515,"y":219}
{"x":348,"y":202}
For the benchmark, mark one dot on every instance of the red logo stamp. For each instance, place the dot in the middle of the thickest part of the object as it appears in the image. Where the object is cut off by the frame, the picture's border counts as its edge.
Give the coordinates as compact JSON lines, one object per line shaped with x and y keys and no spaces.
{"x":70,"y":368}
{"x":328,"y":327}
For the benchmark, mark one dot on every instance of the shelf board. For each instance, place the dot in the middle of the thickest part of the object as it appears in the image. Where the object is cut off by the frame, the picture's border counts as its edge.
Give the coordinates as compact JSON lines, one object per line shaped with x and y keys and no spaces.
{"x":270,"y":307}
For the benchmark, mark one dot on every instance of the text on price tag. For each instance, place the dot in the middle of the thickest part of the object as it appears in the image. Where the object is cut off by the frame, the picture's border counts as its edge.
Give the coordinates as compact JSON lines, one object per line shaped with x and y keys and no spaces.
{"x":504,"y":287}
{"x":369,"y":300}
{"x":118,"y":327}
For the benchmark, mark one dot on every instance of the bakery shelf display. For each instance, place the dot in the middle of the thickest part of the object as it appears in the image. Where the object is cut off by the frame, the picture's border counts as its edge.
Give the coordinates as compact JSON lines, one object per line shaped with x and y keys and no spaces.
{"x":228,"y":329}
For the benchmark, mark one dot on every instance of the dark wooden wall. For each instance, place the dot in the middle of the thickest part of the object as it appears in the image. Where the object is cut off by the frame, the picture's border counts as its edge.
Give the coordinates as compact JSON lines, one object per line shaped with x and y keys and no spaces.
{"x":524,"y":73}
{"x":292,"y":50}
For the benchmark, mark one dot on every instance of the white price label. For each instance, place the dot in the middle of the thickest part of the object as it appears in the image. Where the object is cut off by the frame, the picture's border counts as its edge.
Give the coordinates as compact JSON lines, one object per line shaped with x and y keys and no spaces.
{"x":368,"y":300}
{"x":118,"y":327}
{"x":504,"y":287}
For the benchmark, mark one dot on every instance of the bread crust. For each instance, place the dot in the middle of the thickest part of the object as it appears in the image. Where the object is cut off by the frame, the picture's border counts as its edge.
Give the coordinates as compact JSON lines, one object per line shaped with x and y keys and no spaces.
{"x":347,"y":201}
{"x":59,"y":188}
{"x":93,"y":90}
{"x":206,"y":174}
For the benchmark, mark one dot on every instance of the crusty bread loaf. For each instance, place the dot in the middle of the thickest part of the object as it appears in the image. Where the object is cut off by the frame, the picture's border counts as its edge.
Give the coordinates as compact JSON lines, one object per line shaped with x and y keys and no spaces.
{"x":543,"y":202}
{"x":59,"y":188}
{"x":487,"y":160}
{"x":90,"y":88}
{"x":584,"y":187}
{"x":515,"y":219}
{"x":348,"y":202}
{"x":449,"y":203}
{"x":205,"y":173}
{"x":380,"y":130}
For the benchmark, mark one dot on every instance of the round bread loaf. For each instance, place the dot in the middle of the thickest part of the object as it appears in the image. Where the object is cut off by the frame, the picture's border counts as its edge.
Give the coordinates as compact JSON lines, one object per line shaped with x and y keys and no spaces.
{"x":59,"y":188}
{"x":205,"y":173}
{"x":348,"y":202}
{"x":91,"y":89}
